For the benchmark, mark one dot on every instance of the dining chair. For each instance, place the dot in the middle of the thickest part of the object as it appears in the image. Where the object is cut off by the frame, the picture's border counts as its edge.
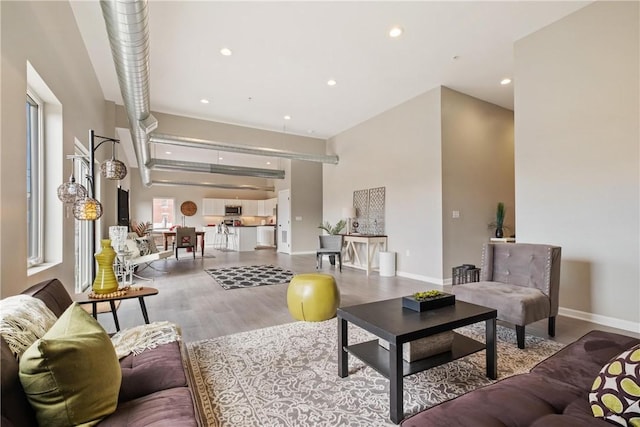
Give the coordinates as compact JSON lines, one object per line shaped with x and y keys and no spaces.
{"x":186,"y":238}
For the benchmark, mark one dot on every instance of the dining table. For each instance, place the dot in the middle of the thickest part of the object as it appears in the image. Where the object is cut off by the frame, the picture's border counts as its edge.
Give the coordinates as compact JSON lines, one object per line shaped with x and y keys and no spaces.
{"x":172,"y":234}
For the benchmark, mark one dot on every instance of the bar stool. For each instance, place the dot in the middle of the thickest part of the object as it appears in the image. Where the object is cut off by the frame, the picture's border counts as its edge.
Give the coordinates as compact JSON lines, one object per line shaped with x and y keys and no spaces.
{"x":219,"y":238}
{"x":232,"y":239}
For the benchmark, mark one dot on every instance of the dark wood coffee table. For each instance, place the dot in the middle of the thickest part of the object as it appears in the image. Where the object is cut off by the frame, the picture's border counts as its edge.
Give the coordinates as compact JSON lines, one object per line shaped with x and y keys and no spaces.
{"x":397,"y":325}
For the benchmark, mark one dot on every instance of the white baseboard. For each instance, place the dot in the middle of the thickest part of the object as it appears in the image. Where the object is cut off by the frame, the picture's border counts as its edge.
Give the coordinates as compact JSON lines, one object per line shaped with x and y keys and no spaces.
{"x":421,"y":278}
{"x":601,"y":320}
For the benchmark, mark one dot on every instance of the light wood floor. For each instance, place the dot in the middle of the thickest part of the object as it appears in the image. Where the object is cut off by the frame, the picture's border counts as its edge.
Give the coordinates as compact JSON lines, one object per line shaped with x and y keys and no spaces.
{"x":189,"y":297}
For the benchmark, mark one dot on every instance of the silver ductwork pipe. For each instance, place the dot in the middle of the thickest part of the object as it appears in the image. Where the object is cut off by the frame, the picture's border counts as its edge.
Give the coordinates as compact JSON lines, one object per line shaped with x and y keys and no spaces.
{"x":182,"y":141}
{"x":213,"y":185}
{"x":128,"y":30}
{"x":180,"y":165}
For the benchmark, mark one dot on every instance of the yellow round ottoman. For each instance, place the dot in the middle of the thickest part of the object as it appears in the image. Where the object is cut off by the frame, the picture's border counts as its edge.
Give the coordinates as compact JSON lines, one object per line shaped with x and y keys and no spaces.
{"x":313,"y":297}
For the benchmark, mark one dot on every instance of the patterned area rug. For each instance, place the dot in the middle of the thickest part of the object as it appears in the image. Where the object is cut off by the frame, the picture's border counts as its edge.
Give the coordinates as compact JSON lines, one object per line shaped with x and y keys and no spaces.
{"x":288,"y":376}
{"x":249,"y":276}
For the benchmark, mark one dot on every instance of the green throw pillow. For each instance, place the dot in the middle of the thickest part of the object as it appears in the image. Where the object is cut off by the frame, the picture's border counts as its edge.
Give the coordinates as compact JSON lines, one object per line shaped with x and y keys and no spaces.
{"x":615,"y":393}
{"x":71,"y":375}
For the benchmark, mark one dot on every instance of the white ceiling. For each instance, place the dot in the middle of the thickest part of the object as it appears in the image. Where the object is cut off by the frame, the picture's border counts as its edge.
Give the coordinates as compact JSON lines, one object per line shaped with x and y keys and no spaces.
{"x":285,"y":52}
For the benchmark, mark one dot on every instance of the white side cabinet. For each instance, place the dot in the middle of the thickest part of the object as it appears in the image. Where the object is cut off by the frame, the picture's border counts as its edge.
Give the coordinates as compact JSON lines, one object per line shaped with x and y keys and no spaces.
{"x":270,"y":207}
{"x":261,"y":208}
{"x":265,"y":235}
{"x":250,"y":207}
{"x":213,"y":207}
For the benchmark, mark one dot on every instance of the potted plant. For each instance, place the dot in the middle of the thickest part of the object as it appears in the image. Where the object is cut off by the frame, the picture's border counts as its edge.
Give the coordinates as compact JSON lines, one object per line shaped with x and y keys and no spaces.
{"x":333,"y":240}
{"x":428,"y":300}
{"x":498,"y":224}
{"x":335,"y":229}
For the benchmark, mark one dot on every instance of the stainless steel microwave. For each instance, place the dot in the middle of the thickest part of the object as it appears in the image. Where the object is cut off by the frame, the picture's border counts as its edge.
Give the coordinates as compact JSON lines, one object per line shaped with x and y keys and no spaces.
{"x":232,"y":210}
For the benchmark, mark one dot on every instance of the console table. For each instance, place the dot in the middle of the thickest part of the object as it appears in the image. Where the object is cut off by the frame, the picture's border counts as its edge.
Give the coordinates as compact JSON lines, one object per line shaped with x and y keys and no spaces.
{"x":360,"y":250}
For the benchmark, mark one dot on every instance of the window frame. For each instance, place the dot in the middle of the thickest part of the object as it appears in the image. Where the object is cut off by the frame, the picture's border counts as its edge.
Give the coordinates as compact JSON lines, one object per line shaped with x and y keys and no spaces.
{"x":158,"y":226}
{"x":35,"y":203}
{"x":84,"y":255}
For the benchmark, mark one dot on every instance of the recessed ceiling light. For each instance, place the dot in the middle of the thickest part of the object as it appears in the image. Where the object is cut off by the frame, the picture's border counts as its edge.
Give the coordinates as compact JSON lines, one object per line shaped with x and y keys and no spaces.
{"x":287,"y":117}
{"x":225,"y":51}
{"x":167,"y":152}
{"x":204,"y":101}
{"x":395,"y":32}
{"x":505,"y":81}
{"x":310,"y":131}
{"x":268,"y":163}
{"x":220,"y":158}
{"x":332,"y":82}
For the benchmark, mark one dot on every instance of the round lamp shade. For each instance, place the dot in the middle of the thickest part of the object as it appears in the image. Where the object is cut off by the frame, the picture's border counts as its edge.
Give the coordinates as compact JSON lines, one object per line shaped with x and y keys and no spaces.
{"x":113,"y":169}
{"x":87,"y":209}
{"x":70,"y":191}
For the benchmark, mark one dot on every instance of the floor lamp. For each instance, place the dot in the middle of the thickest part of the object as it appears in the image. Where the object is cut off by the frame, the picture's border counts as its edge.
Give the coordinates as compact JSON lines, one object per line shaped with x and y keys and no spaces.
{"x":87,"y":207}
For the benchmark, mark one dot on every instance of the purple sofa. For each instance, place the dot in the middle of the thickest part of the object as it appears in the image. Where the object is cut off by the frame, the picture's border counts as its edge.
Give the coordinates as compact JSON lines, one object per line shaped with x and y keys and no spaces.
{"x":155,"y":387}
{"x":555,"y":393}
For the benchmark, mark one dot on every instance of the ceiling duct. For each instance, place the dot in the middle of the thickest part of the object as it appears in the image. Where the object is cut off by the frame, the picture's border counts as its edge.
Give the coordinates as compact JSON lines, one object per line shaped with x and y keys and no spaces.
{"x":128,"y":29}
{"x":183,"y":141}
{"x":179,"y":165}
{"x":214,"y":185}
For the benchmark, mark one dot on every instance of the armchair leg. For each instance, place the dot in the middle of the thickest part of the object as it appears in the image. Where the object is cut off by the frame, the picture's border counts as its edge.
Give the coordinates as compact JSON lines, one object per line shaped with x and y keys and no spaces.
{"x":520,"y":336}
{"x":552,"y":326}
{"x":176,"y":253}
{"x":340,"y":261}
{"x":194,"y":249}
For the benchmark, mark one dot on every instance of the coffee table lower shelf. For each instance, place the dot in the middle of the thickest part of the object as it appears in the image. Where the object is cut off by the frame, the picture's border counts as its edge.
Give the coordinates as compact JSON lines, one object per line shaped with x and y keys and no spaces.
{"x":374,"y":355}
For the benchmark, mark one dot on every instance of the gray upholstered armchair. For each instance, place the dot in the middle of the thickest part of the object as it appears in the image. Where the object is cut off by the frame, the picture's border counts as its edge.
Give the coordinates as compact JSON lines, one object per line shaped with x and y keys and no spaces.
{"x":520,"y":280}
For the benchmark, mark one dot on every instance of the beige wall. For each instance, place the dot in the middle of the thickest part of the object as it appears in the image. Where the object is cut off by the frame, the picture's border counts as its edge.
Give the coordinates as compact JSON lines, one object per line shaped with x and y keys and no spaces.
{"x":439,"y":152}
{"x":577,"y":158}
{"x":306,"y":205}
{"x":477,"y":173}
{"x":46,"y":35}
{"x":399,"y":150}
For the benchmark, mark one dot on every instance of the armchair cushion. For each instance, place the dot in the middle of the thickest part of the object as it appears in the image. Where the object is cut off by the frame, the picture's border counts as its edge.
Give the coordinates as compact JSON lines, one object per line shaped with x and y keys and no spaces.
{"x":515,"y":304}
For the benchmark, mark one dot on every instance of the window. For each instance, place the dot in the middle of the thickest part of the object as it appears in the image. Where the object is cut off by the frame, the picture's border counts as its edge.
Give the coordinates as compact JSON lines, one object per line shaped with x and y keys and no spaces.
{"x":34,"y":181}
{"x":84,"y":255}
{"x":163,"y":213}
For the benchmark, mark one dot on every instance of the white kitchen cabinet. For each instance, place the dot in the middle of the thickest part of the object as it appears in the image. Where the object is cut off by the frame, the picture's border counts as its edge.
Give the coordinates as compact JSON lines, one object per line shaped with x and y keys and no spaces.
{"x":265,"y":235}
{"x":213,"y":207}
{"x":209,"y":235}
{"x":250,"y":207}
{"x":261,"y":208}
{"x":242,"y":239}
{"x":270,"y":206}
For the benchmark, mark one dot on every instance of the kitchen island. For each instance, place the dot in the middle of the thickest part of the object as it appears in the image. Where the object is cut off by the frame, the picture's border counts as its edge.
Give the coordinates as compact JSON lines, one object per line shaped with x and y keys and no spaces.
{"x":246,"y":238}
{"x":242,"y":238}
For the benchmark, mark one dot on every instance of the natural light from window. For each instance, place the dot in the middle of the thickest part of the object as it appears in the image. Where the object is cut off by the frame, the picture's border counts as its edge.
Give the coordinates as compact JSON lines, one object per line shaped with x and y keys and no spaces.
{"x":164,"y":213}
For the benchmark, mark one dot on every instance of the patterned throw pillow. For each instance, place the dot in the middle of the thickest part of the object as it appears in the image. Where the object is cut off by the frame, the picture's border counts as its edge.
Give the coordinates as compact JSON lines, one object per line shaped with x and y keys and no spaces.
{"x":146,"y":245}
{"x":615,"y":394}
{"x":23,"y":320}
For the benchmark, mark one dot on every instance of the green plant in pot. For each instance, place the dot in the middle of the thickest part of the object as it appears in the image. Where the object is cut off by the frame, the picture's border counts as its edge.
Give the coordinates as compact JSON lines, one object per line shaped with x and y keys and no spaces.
{"x":333,"y":240}
{"x":498,"y":224}
{"x":336,"y":229}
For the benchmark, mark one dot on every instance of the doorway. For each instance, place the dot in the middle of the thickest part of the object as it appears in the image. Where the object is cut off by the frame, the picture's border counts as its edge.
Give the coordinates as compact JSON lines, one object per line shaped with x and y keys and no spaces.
{"x":284,"y":221}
